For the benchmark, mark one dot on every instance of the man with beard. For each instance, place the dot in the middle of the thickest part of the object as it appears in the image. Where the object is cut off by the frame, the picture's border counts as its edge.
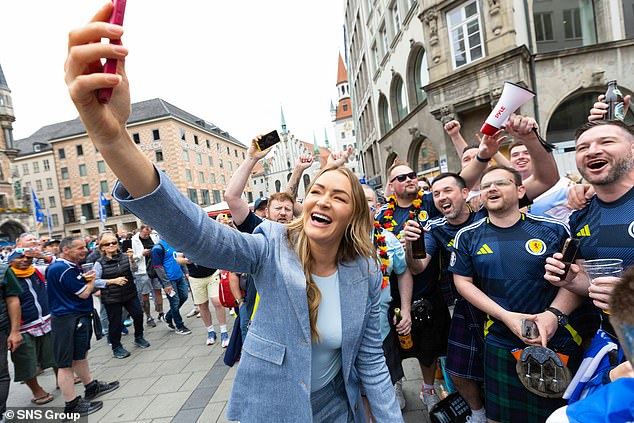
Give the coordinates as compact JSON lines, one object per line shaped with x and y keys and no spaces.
{"x":505,"y":253}
{"x":465,"y":344}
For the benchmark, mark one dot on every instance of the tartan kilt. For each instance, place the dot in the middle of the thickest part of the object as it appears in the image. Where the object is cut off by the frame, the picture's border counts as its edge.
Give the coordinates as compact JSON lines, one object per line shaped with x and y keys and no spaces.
{"x":507,"y":401}
{"x":465,"y":347}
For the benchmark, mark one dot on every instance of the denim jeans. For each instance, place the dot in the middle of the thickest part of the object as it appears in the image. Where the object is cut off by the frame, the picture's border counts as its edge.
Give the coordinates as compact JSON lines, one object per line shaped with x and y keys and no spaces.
{"x":181,"y":289}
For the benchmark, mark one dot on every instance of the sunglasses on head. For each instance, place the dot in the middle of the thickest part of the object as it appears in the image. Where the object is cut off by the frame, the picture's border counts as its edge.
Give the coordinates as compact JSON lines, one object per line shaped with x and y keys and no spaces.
{"x":403,"y":176}
{"x":108,"y":244}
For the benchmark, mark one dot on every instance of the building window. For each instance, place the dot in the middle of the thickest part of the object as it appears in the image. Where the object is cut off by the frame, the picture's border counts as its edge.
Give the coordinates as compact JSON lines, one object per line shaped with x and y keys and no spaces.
{"x":156,"y":135}
{"x":343,"y":135}
{"x":220,"y":163}
{"x":345,"y":107}
{"x":417,"y":76}
{"x":55,"y":219}
{"x":49,"y":183}
{"x":51,"y":201}
{"x":80,"y":150}
{"x":278,"y":186}
{"x":223,"y":180}
{"x":243,"y":156}
{"x":398,"y":99}
{"x":544,"y":26}
{"x":196,"y":139}
{"x":69,"y":214}
{"x":186,"y":155}
{"x":211,"y":161}
{"x":109,"y":209}
{"x":61,"y":153}
{"x":36,"y":167}
{"x":218,"y":147}
{"x":213,"y":179}
{"x":230,"y":165}
{"x":385,"y":45}
{"x":201,"y":177}
{"x":306,"y":180}
{"x":465,"y":34}
{"x":384,"y":114}
{"x":87,"y":211}
{"x":85,"y":190}
{"x":136,"y":138}
{"x":158,"y":154}
{"x":103,"y":185}
{"x":25,"y":169}
{"x":193,"y":195}
{"x":199,"y":159}
{"x":64,"y":172}
{"x":188,"y":175}
{"x":182,"y":135}
{"x":82,"y":170}
{"x":47,"y":166}
{"x":228,"y":151}
{"x":38,"y":185}
{"x":123,"y":210}
{"x":628,"y":18}
{"x":396,"y":18}
{"x":204,"y":194}
{"x":68,"y":194}
{"x":208,"y":144}
{"x":216,"y":194}
{"x":562,"y":24}
{"x":235,"y":152}
{"x":101,"y":166}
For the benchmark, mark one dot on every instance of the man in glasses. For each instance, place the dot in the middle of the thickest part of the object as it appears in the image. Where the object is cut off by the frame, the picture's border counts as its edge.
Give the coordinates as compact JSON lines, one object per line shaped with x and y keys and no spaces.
{"x":505,"y":254}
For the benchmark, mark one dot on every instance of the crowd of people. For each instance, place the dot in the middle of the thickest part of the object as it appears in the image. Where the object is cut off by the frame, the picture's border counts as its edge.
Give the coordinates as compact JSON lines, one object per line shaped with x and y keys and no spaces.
{"x":333,"y":293}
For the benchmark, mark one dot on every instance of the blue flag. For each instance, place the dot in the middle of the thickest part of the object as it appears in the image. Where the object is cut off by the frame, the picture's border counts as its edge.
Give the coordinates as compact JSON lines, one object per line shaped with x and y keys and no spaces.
{"x":103,"y":201}
{"x":37,"y":210}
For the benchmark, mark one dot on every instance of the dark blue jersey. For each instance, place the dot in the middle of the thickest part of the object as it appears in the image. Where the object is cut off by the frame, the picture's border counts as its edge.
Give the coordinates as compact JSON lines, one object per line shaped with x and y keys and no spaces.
{"x":401,"y":214}
{"x":606,"y":230}
{"x":64,"y":285}
{"x":439,"y":241}
{"x":509,"y":266}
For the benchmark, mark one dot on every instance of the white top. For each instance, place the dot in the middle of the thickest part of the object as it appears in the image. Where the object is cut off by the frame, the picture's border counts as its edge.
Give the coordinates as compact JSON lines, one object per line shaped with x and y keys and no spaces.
{"x":326,"y":354}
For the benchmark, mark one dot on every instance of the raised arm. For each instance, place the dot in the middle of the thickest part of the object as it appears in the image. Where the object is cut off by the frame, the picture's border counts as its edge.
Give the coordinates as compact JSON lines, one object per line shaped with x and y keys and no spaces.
{"x":545,"y":173}
{"x":106,"y":123}
{"x":233,"y":195}
{"x":304,"y":161}
{"x":452,"y":128}
{"x":489,"y":146}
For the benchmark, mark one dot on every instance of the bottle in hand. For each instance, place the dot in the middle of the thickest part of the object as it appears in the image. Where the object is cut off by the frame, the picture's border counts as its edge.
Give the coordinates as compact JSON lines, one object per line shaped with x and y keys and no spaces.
{"x":418,"y":246}
{"x":614,"y":100}
{"x":405,"y":340}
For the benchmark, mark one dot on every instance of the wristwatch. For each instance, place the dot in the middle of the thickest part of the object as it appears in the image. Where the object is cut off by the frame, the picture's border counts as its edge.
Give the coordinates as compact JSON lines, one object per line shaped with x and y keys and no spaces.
{"x":562,"y":318}
{"x":239,"y":301}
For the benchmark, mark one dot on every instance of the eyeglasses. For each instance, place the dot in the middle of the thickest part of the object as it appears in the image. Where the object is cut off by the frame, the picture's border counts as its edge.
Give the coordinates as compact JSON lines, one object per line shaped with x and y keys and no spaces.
{"x":505,"y":182}
{"x":403,"y":176}
{"x":109,"y":244}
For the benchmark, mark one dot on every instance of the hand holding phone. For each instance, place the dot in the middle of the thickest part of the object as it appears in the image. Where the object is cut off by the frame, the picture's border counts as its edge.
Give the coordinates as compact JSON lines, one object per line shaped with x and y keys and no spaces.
{"x":529,"y":329}
{"x":268,"y":140}
{"x":569,"y":252}
{"x":118,"y":11}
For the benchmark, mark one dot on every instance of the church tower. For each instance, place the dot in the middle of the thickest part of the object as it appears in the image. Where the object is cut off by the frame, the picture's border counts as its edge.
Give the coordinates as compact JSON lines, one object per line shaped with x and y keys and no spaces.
{"x":7,"y":150}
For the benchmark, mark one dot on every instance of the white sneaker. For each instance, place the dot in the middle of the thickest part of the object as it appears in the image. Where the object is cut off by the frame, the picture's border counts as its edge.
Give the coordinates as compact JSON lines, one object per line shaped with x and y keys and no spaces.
{"x":478,"y":418}
{"x":398,"y":390}
{"x":193,"y":313}
{"x":429,"y":399}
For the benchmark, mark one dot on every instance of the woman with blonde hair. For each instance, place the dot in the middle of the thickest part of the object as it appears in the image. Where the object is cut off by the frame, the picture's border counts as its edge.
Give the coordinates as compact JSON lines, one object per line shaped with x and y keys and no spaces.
{"x":315,"y":337}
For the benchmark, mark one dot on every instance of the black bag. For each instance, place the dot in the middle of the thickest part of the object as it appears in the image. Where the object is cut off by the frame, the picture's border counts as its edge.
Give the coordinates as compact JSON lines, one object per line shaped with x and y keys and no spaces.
{"x":149,"y":267}
{"x":422,"y":313}
{"x":453,"y":409}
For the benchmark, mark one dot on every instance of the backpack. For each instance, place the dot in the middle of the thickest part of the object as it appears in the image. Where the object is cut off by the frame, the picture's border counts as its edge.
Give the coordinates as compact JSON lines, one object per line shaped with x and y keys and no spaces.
{"x":149,"y":267}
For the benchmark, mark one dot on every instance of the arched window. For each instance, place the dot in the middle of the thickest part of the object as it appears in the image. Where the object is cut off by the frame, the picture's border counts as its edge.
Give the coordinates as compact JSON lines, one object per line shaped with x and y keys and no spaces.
{"x":288,"y":177}
{"x":398,"y":99}
{"x":427,"y":162}
{"x":306,"y":184}
{"x":384,"y":115}
{"x":417,"y":75}
{"x":278,"y":185}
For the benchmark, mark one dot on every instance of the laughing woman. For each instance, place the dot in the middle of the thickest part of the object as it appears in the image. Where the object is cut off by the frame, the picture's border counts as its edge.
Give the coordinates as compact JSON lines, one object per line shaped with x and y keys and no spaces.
{"x":315,"y":337}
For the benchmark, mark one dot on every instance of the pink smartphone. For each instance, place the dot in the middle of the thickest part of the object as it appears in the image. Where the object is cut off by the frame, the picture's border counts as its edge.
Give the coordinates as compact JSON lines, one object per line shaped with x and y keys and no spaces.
{"x":116,"y":18}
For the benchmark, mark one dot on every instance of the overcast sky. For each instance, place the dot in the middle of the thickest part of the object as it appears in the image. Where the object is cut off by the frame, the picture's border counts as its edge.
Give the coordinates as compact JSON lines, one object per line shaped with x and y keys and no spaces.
{"x":233,"y":63}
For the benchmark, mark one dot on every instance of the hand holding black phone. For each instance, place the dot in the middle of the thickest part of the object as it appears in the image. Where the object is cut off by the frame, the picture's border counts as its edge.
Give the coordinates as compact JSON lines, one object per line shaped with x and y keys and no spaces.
{"x":569,"y":251}
{"x":268,"y":140}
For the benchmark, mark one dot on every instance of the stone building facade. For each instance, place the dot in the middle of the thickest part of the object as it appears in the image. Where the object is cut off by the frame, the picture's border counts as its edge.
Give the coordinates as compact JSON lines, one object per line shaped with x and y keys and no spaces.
{"x":415,"y":64}
{"x":195,"y":154}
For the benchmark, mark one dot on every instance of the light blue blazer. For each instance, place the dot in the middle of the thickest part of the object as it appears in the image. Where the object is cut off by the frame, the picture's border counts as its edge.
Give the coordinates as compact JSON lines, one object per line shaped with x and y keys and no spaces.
{"x":272,"y":383}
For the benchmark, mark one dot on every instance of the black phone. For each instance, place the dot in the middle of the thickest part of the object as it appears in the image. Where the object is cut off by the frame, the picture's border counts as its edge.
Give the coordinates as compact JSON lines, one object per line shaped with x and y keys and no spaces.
{"x":570,"y":249}
{"x":268,"y":140}
{"x":126,"y":244}
{"x":529,"y":329}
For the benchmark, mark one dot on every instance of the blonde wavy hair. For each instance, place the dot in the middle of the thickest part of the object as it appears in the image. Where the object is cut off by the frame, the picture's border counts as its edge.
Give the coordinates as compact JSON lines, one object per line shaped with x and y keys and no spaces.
{"x":355,"y":242}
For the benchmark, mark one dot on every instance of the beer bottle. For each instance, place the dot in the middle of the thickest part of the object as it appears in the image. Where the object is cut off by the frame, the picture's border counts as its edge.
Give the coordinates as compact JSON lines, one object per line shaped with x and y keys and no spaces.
{"x":418,"y":246}
{"x":614,"y":99}
{"x":405,"y":340}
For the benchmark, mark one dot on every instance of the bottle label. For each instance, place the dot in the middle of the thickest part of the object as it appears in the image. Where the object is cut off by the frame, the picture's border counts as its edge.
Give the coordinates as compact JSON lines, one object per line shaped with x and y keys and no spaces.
{"x":618,"y":111}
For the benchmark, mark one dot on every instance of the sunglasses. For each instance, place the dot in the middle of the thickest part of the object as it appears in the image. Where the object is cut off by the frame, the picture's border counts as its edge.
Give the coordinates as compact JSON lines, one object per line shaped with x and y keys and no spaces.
{"x":403,"y":176}
{"x":109,"y":244}
{"x":499,"y":183}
